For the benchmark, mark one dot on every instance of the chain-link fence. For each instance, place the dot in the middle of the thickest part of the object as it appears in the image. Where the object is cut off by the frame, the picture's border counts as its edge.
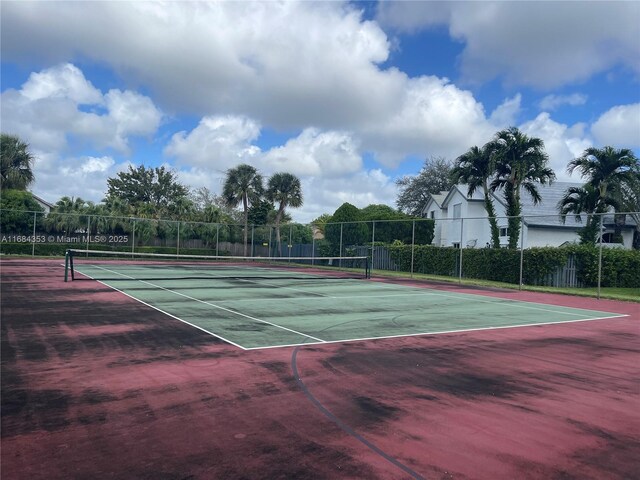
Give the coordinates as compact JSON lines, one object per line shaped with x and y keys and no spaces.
{"x":597,"y":250}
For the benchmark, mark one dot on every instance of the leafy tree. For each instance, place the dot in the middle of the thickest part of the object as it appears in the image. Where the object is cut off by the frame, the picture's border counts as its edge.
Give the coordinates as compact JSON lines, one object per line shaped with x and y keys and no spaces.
{"x":392,"y":225}
{"x":243,"y":184}
{"x":259,"y":212}
{"x":151,"y":192}
{"x":475,"y":168}
{"x":614,"y":174}
{"x":16,"y":162}
{"x":521,"y":164}
{"x":17,"y":212}
{"x":285,"y":190}
{"x":434,"y":177}
{"x":346,"y":219}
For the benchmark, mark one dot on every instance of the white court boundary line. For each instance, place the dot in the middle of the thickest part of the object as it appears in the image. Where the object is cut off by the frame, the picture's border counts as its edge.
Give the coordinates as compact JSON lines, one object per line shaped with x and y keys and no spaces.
{"x":319,"y":341}
{"x":211,"y":304}
{"x":560,"y":322}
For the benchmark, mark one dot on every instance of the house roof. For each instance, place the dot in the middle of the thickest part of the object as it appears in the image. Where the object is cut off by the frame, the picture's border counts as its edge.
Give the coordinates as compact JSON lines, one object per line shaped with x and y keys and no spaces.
{"x":463,"y":189}
{"x":42,"y":201}
{"x":545,"y":213}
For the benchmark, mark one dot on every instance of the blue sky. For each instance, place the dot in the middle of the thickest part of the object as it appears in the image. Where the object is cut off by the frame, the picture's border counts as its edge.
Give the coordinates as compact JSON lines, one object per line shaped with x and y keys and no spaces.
{"x":348,"y":96}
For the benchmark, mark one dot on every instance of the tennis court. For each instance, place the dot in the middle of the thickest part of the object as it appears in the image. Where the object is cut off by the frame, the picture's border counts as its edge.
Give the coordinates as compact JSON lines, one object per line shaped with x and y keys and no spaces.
{"x":166,"y":368}
{"x":262,"y":305}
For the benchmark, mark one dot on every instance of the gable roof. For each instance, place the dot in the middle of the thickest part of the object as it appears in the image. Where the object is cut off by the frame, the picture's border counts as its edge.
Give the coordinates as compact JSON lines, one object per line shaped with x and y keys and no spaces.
{"x":41,"y":201}
{"x":477,"y":196}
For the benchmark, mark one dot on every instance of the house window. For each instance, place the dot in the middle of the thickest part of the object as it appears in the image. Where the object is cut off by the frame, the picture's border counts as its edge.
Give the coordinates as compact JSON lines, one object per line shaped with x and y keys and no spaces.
{"x":456,"y":244}
{"x":504,"y":232}
{"x":457,"y":210}
{"x":432,"y":215}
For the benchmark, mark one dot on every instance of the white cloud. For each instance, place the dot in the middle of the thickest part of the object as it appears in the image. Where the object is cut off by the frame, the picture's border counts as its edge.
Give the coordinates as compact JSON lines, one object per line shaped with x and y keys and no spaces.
{"x":325,"y":195}
{"x":562,"y":143}
{"x":506,"y":113}
{"x":63,"y":81}
{"x":315,"y":153}
{"x":541,"y":44}
{"x":619,"y":127}
{"x":552,"y":102}
{"x":218,"y":142}
{"x":47,"y":110}
{"x":434,"y":118}
{"x":84,"y":177}
{"x":281,"y":63}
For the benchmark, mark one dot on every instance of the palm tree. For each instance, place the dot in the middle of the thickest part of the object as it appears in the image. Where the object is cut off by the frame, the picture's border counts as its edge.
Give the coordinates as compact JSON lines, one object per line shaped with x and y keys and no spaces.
{"x":15,"y":163}
{"x":521,"y":163}
{"x":614,"y":173}
{"x":585,"y":199}
{"x":286,"y":190}
{"x":243,"y":185}
{"x":475,"y":168}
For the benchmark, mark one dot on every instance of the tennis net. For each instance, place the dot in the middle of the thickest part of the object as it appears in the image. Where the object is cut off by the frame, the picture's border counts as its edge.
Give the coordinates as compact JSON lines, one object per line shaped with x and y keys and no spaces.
{"x":114,"y":265}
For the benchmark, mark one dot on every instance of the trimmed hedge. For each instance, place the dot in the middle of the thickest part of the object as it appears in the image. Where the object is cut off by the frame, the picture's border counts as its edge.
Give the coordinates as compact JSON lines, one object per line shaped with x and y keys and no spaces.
{"x":620,"y":268}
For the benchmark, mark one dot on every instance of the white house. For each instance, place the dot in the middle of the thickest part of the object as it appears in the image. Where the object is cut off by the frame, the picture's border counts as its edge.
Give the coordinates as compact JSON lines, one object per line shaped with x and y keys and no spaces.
{"x":463,"y":221}
{"x":46,"y":206}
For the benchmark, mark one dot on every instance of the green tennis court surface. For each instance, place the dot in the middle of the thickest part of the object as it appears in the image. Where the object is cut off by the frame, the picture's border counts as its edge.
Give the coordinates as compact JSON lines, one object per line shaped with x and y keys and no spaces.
{"x":260,"y":312}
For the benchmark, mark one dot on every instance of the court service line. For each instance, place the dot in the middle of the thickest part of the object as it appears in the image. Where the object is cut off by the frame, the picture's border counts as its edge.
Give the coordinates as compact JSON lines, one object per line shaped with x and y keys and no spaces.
{"x":463,"y":330}
{"x":162,"y":311}
{"x":212,"y":304}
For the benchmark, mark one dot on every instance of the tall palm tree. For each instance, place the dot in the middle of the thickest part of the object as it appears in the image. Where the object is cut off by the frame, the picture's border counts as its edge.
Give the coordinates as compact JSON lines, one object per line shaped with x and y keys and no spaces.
{"x":614,"y":173}
{"x":286,"y":190}
{"x":587,"y":200}
{"x":521,"y":164}
{"x":16,"y":162}
{"x":475,"y":168}
{"x":243,"y":184}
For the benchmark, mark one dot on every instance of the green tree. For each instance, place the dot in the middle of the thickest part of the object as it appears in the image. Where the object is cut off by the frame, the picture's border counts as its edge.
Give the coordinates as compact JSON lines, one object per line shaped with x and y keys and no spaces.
{"x":345,"y":225}
{"x":16,"y":163}
{"x":434,"y":177}
{"x":285,"y":190}
{"x":521,"y":164}
{"x":584,"y":200}
{"x":17,"y":212}
{"x":153,"y":192}
{"x":475,"y":168}
{"x":243,"y":185}
{"x":614,"y":174}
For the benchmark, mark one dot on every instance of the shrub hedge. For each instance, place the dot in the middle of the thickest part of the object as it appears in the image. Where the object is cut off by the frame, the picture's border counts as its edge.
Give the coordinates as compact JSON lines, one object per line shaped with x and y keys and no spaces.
{"x":620,"y":268}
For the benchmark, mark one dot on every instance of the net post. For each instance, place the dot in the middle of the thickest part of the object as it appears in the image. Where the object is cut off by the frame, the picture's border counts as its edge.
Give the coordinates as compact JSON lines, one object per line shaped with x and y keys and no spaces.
{"x":521,"y":251}
{"x":367,"y":267}
{"x":66,"y":265}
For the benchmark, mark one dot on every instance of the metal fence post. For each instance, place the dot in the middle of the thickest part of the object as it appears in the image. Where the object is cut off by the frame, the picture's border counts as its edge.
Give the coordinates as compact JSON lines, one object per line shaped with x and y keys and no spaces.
{"x":217,"y":237}
{"x":290,"y":242}
{"x":253,"y":247}
{"x":600,"y":256}
{"x":178,"y":242}
{"x":88,"y":230}
{"x":521,"y":250}
{"x":133,"y":236}
{"x":461,"y":247}
{"x":413,"y":244}
{"x":373,"y":241}
{"x":33,"y":239}
{"x":313,"y":249}
{"x":340,"y":254}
